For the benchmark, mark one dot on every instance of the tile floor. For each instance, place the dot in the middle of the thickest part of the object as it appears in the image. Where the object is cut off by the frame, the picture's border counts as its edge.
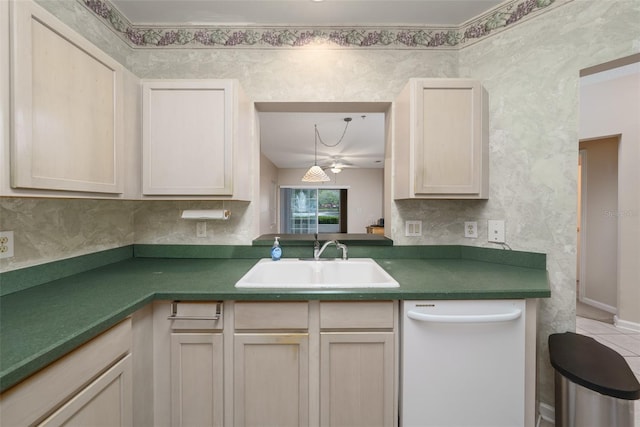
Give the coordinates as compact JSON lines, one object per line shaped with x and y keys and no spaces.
{"x":625,"y":342}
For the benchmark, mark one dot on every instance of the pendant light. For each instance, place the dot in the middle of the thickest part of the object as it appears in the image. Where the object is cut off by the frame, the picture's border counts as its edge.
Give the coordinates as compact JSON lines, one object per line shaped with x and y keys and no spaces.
{"x":315,"y":172}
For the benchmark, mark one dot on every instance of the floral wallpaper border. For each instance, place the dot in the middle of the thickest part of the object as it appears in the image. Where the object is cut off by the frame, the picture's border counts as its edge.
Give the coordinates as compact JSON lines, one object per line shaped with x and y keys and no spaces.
{"x":492,"y":22}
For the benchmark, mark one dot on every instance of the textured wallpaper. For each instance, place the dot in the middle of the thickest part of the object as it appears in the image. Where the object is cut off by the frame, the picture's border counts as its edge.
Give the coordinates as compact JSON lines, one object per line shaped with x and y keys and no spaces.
{"x":51,"y":229}
{"x":160,"y":222}
{"x":532,"y":76}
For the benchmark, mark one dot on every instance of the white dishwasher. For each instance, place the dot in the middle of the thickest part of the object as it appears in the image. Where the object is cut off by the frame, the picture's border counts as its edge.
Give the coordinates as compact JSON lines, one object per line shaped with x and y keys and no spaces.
{"x":463,"y":363}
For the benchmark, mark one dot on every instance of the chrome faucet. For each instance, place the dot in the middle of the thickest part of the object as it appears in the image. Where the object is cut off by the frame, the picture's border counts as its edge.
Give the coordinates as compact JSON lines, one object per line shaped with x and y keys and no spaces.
{"x":345,"y":255}
{"x":317,"y":250}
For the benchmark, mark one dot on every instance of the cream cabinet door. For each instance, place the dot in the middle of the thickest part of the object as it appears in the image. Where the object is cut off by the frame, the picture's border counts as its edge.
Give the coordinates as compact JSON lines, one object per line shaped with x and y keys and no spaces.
{"x":271,"y":379}
{"x":92,"y":385}
{"x":67,"y":131}
{"x":358,"y":363}
{"x":106,"y":402}
{"x":356,"y":379}
{"x":192,"y":141}
{"x":188,"y":363}
{"x":197,"y":379}
{"x":441,"y":142}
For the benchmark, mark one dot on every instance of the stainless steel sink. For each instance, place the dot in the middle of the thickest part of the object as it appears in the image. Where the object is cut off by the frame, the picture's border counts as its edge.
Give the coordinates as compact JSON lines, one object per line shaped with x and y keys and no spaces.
{"x":300,"y":273}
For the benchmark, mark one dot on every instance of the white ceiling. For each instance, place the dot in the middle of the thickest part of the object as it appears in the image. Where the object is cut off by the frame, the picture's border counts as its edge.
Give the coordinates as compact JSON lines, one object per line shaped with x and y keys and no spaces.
{"x":287,"y":139}
{"x":303,"y":12}
{"x":287,"y":136}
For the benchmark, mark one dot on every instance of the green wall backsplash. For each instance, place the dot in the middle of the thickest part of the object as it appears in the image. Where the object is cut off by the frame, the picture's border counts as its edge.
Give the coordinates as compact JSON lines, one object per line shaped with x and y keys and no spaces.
{"x":20,"y":279}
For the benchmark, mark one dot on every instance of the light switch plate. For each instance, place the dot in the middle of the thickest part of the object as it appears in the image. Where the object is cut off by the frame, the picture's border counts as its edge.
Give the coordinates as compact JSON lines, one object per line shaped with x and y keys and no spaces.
{"x":413,"y":228}
{"x":201,"y":229}
{"x":495,"y":231}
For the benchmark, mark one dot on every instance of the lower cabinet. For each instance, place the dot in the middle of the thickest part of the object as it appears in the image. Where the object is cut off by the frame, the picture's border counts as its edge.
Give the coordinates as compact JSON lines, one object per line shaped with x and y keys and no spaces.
{"x":196,"y":379}
{"x":271,"y":379}
{"x":358,"y":363}
{"x":91,"y":386}
{"x":189,"y":363}
{"x":106,"y":401}
{"x":299,"y":363}
{"x":315,"y":363}
{"x":271,"y":364}
{"x":356,"y":379}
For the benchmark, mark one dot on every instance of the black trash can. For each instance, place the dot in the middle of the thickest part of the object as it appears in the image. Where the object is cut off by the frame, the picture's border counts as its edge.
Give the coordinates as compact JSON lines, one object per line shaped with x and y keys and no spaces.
{"x":594,"y":385}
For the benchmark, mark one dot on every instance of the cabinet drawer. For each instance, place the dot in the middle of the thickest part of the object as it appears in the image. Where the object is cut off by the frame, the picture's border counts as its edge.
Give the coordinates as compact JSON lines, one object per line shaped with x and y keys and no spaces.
{"x":272,"y":315}
{"x":198,"y":315}
{"x":357,"y":315}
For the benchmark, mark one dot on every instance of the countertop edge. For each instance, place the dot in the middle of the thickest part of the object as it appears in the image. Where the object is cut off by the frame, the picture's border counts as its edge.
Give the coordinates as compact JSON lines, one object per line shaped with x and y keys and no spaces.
{"x":27,"y":367}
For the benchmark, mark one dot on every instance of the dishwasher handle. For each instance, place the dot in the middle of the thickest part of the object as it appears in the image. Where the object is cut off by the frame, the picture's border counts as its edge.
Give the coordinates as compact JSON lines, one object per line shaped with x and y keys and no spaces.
{"x":465,"y":318}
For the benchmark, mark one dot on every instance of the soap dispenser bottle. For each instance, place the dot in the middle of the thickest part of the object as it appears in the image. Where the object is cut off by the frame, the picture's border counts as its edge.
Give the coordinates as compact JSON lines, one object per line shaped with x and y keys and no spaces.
{"x":276,"y":250}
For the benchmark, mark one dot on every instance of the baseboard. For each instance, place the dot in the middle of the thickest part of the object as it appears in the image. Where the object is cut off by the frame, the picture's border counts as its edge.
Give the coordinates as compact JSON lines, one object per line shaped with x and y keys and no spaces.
{"x":547,"y":413}
{"x":625,"y":324}
{"x":599,"y":305}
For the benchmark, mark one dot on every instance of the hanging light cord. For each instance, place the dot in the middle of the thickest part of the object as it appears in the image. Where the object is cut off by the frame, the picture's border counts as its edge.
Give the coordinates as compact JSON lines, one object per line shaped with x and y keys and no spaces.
{"x":347,"y":120}
{"x":315,"y":150}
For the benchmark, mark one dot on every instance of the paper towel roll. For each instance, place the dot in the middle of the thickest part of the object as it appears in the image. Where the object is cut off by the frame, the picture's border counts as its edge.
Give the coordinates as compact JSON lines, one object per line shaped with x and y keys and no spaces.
{"x":206,"y":214}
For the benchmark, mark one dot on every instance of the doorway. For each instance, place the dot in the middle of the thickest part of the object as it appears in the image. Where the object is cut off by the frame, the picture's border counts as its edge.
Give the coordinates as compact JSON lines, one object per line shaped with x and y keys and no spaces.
{"x":597,"y":272}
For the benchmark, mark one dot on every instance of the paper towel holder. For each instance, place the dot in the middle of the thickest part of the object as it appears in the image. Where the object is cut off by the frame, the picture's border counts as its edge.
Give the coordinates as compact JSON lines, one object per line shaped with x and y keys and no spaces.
{"x":203,"y":214}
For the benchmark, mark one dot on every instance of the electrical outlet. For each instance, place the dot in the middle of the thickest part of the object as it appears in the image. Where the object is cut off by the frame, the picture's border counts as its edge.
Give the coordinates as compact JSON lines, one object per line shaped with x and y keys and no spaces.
{"x":413,"y":228}
{"x":6,"y":244}
{"x":496,"y":231}
{"x":471,"y":229}
{"x":201,"y":229}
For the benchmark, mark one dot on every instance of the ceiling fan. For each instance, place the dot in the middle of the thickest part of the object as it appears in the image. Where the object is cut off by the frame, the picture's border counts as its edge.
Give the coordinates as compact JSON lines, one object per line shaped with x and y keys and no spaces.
{"x":335,"y":164}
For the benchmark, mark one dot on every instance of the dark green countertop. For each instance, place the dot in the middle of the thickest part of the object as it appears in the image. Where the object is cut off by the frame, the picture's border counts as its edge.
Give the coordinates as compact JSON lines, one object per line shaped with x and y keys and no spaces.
{"x":42,"y":323}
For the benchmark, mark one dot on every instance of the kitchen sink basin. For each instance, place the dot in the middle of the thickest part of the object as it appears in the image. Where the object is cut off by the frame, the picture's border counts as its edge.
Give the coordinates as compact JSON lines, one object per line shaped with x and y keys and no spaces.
{"x":302,"y":273}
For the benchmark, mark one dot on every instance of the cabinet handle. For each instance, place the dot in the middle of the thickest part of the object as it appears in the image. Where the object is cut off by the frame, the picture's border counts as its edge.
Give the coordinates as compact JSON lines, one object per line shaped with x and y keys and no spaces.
{"x":174,"y":313}
{"x":465,"y":318}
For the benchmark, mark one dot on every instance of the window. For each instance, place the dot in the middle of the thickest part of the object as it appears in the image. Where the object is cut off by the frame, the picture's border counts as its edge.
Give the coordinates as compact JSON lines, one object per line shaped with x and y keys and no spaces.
{"x":313,"y":210}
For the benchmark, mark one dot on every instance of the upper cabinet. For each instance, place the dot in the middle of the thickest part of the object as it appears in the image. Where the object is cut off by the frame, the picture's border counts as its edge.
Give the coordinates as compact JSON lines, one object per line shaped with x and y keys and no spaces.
{"x":67,"y":124}
{"x":196,"y":139}
{"x":441,"y":140}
